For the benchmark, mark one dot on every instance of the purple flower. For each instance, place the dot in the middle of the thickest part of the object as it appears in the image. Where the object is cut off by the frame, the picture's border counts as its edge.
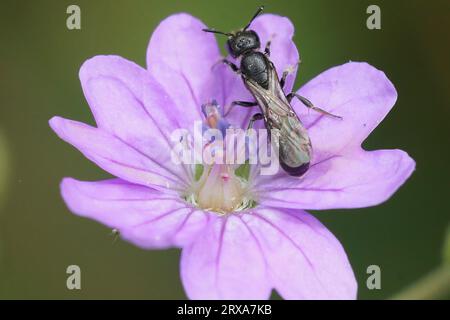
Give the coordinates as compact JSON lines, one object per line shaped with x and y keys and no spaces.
{"x":240,"y":238}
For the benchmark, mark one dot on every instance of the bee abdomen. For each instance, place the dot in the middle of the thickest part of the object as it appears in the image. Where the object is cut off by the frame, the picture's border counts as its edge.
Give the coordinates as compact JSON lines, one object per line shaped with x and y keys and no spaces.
{"x":295,"y":171}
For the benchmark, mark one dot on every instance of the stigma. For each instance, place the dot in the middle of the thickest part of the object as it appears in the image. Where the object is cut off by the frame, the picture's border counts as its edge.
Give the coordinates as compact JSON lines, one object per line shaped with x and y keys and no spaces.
{"x":217,"y":186}
{"x":219,"y":189}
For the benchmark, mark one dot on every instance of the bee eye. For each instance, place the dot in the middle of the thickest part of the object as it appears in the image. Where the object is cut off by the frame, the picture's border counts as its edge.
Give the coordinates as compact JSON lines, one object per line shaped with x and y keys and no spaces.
{"x":242,"y":43}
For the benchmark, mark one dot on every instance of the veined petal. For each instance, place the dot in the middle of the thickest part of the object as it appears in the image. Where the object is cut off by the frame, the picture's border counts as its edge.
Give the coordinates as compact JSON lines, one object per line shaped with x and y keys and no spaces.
{"x":356,"y":91}
{"x":304,"y":260}
{"x":180,"y":56}
{"x":115,"y":155}
{"x":283,"y":54}
{"x":353,"y":180}
{"x":144,"y":216}
{"x":342,"y":175}
{"x":224,"y":262}
{"x":244,"y":256}
{"x":130,"y":105}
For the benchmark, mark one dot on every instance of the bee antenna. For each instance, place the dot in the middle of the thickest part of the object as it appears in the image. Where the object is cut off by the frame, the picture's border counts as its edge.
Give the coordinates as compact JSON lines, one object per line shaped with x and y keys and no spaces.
{"x":260,"y":9}
{"x":218,"y":32}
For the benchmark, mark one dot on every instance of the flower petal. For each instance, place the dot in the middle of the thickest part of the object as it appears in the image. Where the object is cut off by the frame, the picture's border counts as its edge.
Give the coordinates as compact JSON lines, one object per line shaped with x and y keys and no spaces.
{"x":283,"y":54}
{"x":130,"y":105}
{"x":356,"y":91}
{"x":114,"y":155}
{"x":244,"y":256}
{"x":353,"y":180}
{"x":304,"y":260}
{"x":342,"y":175}
{"x":180,"y":56}
{"x":144,"y":216}
{"x":283,"y":51}
{"x":224,"y":262}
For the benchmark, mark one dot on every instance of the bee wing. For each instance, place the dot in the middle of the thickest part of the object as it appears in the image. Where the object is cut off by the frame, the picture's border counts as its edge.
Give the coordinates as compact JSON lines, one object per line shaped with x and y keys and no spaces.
{"x":274,"y":84}
{"x":273,"y":104}
{"x":294,"y":143}
{"x":272,"y":98}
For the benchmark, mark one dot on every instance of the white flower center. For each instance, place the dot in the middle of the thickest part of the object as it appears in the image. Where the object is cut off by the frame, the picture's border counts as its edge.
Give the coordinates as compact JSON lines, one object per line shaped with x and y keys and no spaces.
{"x":219,"y":189}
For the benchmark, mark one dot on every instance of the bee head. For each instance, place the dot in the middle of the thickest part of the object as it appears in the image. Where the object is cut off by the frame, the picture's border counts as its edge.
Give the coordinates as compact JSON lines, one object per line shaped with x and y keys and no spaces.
{"x":242,"y":41}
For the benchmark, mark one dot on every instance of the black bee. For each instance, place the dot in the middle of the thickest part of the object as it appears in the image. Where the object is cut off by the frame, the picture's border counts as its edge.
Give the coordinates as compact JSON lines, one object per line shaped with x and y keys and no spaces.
{"x":260,"y":77}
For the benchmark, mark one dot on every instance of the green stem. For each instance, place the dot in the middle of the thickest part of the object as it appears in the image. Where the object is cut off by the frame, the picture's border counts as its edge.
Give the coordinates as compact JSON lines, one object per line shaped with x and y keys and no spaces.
{"x":433,"y":286}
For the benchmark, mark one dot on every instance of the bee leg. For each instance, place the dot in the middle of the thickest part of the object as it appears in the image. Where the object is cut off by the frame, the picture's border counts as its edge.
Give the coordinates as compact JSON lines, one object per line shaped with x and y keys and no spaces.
{"x":267,"y":48}
{"x":255,"y":117}
{"x":283,"y":78}
{"x":309,"y":104}
{"x":233,"y":67}
{"x":289,"y":70}
{"x":245,"y":104}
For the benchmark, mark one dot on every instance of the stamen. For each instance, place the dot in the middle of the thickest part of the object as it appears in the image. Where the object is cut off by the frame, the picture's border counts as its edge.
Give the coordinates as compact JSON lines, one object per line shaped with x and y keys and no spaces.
{"x":219,"y":187}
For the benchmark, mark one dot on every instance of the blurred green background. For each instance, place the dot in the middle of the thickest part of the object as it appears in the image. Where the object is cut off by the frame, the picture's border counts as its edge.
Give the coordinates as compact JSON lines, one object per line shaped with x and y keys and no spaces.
{"x":39,"y":62}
